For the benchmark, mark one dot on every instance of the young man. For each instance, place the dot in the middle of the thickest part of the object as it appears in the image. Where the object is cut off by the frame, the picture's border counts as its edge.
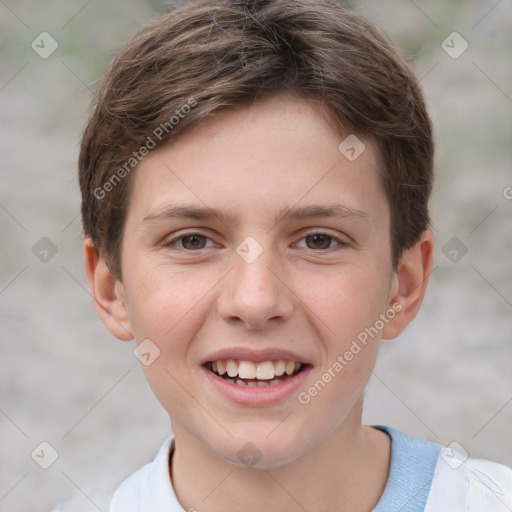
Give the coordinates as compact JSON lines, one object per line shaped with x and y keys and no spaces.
{"x":255,"y":180}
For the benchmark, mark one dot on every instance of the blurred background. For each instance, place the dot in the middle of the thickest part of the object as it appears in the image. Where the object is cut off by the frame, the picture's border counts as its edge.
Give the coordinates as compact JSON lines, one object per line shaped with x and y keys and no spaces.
{"x":65,"y":381}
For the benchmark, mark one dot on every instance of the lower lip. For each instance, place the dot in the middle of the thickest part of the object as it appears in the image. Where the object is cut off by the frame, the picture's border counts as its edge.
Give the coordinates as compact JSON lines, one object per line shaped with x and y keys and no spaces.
{"x":256,"y":396}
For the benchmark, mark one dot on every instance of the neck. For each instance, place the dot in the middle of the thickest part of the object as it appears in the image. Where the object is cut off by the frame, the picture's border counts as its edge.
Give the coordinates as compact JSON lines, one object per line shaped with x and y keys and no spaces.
{"x":346,"y":472}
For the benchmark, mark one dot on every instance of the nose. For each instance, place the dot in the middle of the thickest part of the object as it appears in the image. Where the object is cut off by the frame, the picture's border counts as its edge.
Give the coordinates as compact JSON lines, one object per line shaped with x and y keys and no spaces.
{"x":256,"y":294}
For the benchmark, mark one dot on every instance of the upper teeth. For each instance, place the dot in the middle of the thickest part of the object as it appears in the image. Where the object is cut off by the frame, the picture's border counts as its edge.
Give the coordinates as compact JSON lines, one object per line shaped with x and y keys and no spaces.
{"x":265,"y":370}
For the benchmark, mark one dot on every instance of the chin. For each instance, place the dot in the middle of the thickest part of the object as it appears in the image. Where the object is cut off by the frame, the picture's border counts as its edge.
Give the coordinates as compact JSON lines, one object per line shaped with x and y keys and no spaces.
{"x":259,"y":451}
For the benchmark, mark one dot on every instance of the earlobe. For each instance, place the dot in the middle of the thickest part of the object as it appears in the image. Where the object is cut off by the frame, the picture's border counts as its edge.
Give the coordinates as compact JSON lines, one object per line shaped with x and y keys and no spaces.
{"x":411,"y":280}
{"x":107,"y":293}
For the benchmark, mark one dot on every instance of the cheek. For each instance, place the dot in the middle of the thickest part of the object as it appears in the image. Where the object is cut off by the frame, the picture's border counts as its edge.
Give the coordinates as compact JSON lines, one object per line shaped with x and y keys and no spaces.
{"x":159,"y":298}
{"x":165,"y":306}
{"x":349,"y":308}
{"x":343,"y":301}
{"x":168,"y":306}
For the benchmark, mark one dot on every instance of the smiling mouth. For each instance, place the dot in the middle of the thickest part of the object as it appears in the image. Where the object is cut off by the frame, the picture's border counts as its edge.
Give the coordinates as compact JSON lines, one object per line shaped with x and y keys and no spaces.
{"x":251,"y":374}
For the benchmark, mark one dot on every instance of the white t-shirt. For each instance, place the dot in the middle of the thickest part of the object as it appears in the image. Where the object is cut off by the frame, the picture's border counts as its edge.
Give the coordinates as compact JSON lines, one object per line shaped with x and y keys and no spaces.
{"x":424,"y":477}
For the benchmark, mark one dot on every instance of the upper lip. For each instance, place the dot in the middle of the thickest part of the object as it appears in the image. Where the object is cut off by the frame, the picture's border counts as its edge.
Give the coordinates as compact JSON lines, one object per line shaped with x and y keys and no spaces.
{"x":257,"y":356}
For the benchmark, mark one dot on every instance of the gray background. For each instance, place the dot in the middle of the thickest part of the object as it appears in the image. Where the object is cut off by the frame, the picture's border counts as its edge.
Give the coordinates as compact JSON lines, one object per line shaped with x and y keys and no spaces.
{"x":65,"y":380}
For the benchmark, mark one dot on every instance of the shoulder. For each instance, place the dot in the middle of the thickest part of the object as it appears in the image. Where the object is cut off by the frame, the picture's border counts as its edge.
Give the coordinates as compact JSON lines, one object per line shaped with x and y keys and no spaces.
{"x":143,"y":491}
{"x":467,"y":484}
{"x":149,"y":487}
{"x":429,"y":477}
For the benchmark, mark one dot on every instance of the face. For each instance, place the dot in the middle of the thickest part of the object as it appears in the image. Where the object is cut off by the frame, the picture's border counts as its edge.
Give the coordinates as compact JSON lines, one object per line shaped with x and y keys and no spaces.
{"x":294,"y":268}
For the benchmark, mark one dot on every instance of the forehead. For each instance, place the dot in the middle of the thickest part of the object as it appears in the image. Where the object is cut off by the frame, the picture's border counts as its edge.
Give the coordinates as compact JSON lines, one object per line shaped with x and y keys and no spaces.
{"x":259,"y":160}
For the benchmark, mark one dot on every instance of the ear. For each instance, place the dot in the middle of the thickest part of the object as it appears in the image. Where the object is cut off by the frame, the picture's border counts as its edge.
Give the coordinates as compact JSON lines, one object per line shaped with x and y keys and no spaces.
{"x":410,"y":284}
{"x":107,"y":293}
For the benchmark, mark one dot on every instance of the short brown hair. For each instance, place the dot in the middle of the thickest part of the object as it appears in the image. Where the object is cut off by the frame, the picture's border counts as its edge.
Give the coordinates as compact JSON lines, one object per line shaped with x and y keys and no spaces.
{"x":209,"y":55}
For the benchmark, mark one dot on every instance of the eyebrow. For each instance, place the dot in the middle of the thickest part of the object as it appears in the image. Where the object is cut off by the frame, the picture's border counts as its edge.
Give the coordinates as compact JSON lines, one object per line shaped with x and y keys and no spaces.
{"x":191,"y":211}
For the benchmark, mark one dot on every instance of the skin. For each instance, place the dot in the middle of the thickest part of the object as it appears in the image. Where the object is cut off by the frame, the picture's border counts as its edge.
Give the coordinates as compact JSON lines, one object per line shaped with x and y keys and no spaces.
{"x":311,"y":296}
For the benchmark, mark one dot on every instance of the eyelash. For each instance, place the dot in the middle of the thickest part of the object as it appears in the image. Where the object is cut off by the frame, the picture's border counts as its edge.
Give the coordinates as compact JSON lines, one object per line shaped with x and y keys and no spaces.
{"x":171,"y":243}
